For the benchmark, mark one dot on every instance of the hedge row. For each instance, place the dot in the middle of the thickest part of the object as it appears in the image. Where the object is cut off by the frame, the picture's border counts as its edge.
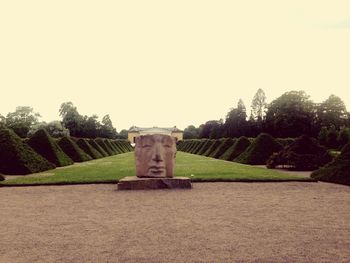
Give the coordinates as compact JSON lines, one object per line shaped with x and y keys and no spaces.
{"x":302,"y":153}
{"x":41,"y":152}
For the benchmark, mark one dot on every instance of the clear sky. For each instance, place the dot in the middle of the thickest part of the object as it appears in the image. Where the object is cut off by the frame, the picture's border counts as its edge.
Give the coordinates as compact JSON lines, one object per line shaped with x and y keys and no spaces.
{"x":165,"y":63}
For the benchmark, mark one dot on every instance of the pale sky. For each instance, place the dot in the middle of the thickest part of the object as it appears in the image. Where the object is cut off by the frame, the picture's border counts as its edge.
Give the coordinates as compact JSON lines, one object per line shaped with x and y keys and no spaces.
{"x":165,"y":63}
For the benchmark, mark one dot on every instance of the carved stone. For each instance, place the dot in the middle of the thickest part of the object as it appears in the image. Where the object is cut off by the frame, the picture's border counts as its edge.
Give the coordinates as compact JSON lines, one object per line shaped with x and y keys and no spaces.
{"x":137,"y":183}
{"x":155,"y":156}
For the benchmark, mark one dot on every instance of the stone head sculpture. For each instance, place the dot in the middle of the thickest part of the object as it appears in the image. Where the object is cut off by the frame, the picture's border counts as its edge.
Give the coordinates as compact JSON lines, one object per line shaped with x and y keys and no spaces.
{"x":155,"y":155}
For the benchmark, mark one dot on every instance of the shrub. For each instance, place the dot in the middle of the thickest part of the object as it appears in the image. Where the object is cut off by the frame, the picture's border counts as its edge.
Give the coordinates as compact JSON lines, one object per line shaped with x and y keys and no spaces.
{"x":88,"y":149}
{"x":188,"y":145}
{"x":207,"y":146}
{"x":106,"y":148}
{"x":260,"y":150}
{"x":17,"y":157}
{"x":285,"y":141}
{"x":94,"y":144}
{"x":213,"y":147}
{"x":337,"y":171}
{"x":303,"y":154}
{"x":226,"y":143}
{"x":194,"y":146}
{"x":48,"y":148}
{"x":111,"y":146}
{"x":198,"y":146}
{"x":73,"y":150}
{"x":344,"y":137}
{"x":203,"y":147}
{"x":119,"y":146}
{"x":2,"y":177}
{"x":240,"y":145}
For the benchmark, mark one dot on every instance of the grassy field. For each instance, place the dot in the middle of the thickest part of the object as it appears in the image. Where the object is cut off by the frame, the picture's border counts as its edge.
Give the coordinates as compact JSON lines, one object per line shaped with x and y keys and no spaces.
{"x":113,"y":168}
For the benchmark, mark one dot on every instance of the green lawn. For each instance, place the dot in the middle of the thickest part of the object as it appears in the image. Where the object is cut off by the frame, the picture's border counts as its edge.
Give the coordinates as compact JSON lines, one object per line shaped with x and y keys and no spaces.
{"x":113,"y":168}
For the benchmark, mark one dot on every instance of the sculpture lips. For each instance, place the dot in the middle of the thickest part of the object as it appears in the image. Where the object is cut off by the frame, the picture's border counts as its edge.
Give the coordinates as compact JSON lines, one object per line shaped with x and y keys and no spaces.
{"x":157,"y":169}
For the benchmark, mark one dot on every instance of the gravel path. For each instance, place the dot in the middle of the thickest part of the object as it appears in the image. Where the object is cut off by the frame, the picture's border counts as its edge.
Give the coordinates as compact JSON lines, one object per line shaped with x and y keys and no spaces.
{"x":213,"y":222}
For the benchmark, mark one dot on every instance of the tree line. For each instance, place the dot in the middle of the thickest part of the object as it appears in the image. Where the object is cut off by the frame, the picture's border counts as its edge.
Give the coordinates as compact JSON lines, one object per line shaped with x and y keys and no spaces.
{"x":291,"y":115}
{"x":24,"y":122}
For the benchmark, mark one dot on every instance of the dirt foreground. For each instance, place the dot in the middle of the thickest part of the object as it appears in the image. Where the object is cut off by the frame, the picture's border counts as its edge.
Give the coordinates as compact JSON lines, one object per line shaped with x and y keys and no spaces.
{"x":213,"y":222}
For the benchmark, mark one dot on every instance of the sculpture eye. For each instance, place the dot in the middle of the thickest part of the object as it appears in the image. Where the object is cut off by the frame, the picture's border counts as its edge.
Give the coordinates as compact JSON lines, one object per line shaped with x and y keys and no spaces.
{"x":167,"y":145}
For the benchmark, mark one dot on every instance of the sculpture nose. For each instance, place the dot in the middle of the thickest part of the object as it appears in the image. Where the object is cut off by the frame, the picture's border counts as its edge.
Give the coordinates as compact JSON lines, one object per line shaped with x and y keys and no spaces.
{"x":156,"y":155}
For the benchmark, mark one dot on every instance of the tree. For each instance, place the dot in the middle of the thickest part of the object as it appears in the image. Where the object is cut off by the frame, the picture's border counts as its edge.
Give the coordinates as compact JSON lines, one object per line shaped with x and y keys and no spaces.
{"x":191,"y":132}
{"x":71,"y":119}
{"x":123,"y":134}
{"x":210,"y":129}
{"x":259,"y":106}
{"x":332,"y":112}
{"x":236,"y":120}
{"x":291,"y":115}
{"x":2,"y":121}
{"x":107,"y":129}
{"x":21,"y":120}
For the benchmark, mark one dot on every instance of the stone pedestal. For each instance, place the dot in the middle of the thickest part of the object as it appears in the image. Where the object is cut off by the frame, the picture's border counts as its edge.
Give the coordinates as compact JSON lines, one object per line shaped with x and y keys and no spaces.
{"x":136,"y":183}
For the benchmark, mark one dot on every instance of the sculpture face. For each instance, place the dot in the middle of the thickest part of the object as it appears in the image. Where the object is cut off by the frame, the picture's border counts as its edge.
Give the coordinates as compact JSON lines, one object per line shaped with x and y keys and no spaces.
{"x":155,"y":155}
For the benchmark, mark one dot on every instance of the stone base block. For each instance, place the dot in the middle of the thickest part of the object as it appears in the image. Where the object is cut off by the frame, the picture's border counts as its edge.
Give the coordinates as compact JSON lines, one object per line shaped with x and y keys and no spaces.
{"x":136,"y":183}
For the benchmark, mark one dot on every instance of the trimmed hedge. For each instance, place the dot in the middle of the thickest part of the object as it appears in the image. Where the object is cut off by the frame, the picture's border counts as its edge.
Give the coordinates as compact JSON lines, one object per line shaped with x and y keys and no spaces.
{"x":206,"y":146}
{"x":98,"y":147}
{"x":337,"y":171}
{"x":2,"y":177}
{"x":48,"y":148}
{"x":240,"y":145}
{"x":73,"y":150}
{"x":260,"y":150}
{"x":203,"y":146}
{"x":198,"y":146}
{"x":17,"y":157}
{"x":212,"y":148}
{"x":103,"y":145}
{"x":194,"y":146}
{"x":304,"y":153}
{"x":226,"y":143}
{"x":88,"y":149}
{"x":114,"y":149}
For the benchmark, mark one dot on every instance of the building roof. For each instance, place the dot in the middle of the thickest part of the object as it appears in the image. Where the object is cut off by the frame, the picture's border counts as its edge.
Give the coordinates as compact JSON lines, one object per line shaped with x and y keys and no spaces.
{"x":154,"y":129}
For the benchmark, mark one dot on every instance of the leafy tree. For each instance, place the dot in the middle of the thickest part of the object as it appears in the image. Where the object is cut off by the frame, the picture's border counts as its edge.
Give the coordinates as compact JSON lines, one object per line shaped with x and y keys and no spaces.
{"x":291,"y":115}
{"x":259,"y":106}
{"x":332,"y":112}
{"x":236,"y":123}
{"x":107,"y":129}
{"x":191,"y":132}
{"x":322,"y":136}
{"x":344,"y":136}
{"x":2,"y":121}
{"x":21,"y":120}
{"x":90,"y":127}
{"x":71,"y":119}
{"x":123,"y":134}
{"x":332,"y":138}
{"x":210,"y":129}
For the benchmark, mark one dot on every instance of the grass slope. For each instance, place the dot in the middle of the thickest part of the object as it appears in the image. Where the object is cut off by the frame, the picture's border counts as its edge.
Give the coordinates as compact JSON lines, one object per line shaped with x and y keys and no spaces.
{"x":113,"y":168}
{"x":48,"y":148}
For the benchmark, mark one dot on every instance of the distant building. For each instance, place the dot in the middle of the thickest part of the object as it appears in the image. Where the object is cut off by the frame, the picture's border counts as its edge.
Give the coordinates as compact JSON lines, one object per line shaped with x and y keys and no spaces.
{"x":137,"y":131}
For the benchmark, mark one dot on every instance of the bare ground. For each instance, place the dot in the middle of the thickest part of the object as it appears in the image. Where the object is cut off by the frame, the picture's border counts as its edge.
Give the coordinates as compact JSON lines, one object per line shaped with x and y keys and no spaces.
{"x":213,"y":222}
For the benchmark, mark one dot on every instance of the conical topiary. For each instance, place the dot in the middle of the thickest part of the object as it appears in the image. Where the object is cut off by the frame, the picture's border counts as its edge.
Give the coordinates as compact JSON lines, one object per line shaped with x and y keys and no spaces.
{"x":103,"y":145}
{"x":212,"y":148}
{"x":112,"y":147}
{"x":222,"y":148}
{"x":73,"y":150}
{"x":260,"y":150}
{"x":240,"y":145}
{"x":304,"y":153}
{"x":88,"y":149}
{"x":48,"y":148}
{"x":17,"y":157}
{"x":206,"y":146}
{"x":2,"y":177}
{"x":94,"y":144}
{"x":337,"y":171}
{"x":203,"y":146}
